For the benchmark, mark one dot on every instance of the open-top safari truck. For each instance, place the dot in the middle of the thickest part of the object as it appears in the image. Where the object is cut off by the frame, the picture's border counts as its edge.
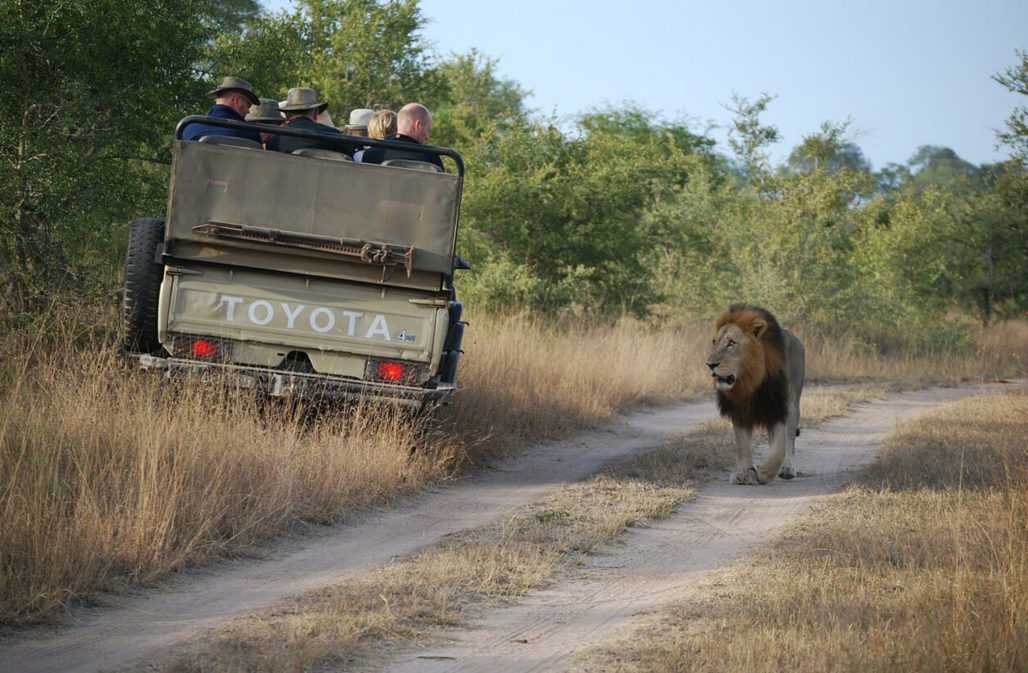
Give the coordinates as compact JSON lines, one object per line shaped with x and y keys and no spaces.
{"x":300,"y":274}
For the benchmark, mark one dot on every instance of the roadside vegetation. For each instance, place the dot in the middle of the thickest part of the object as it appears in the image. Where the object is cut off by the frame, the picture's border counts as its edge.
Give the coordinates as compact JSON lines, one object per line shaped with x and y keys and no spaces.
{"x":921,"y":565}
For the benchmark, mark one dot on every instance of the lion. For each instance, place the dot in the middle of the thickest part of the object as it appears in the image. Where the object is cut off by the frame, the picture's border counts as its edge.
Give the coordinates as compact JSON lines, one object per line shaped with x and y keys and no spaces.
{"x":758,"y":370}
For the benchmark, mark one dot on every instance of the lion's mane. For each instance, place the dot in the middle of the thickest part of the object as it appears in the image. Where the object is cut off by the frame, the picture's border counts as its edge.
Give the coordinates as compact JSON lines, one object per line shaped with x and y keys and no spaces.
{"x":760,"y":395}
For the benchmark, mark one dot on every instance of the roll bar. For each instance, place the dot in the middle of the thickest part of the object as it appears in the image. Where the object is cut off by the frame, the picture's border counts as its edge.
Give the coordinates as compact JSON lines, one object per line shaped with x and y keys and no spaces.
{"x":346,"y":143}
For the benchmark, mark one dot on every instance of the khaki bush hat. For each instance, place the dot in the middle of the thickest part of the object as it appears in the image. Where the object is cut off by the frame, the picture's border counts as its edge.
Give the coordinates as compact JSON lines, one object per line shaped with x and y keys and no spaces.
{"x":301,"y":98}
{"x":235,"y":84}
{"x":360,"y":117}
{"x":321,"y":108}
{"x":266,"y":112}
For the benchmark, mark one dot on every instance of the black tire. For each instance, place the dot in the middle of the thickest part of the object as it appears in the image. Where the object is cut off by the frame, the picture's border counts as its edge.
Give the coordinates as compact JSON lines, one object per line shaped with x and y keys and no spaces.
{"x":143,"y":275}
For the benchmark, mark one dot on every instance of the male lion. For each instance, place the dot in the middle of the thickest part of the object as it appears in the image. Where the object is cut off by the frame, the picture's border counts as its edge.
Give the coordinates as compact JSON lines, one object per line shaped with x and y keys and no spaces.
{"x":758,"y":372}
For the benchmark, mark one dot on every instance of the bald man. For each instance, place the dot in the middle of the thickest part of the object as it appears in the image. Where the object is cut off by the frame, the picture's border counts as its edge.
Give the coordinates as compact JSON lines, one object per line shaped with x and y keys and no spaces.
{"x":413,"y":125}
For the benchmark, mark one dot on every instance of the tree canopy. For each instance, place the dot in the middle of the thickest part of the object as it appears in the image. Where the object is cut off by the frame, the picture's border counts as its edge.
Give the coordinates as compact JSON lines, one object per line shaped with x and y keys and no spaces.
{"x":616,"y":210}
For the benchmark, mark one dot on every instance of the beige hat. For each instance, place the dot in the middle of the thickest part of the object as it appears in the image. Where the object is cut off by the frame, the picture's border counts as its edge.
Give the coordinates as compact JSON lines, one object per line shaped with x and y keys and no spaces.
{"x":301,"y":98}
{"x":266,"y":112}
{"x":361,"y":117}
{"x":235,"y":84}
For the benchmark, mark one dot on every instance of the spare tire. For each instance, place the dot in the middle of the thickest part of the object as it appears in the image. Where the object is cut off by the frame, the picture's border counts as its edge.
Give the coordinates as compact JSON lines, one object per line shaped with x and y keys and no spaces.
{"x":143,"y":275}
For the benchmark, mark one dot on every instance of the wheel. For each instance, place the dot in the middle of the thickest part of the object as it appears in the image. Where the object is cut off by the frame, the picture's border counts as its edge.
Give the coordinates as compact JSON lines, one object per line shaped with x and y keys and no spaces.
{"x":143,"y":275}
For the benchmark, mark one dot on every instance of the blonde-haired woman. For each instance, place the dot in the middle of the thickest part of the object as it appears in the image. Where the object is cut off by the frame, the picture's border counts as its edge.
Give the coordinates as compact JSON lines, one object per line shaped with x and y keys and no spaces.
{"x":382,"y":125}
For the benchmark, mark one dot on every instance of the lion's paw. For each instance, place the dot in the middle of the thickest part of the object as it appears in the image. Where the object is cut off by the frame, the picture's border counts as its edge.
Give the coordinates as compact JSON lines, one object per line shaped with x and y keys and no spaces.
{"x":746,"y":478}
{"x":787,"y":472}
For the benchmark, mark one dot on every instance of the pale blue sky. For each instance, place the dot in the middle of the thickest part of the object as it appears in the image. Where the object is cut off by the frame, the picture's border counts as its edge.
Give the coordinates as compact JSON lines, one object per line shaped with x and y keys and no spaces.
{"x":907,"y":73}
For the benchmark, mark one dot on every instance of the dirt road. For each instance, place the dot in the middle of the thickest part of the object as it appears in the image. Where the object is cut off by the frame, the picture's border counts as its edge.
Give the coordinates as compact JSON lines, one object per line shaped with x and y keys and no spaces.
{"x":652,"y":567}
{"x":138,"y":627}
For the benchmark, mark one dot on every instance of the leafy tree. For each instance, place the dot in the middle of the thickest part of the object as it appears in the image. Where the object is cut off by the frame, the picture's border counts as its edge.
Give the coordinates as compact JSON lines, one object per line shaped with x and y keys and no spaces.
{"x":892,"y":177}
{"x":749,"y":137}
{"x":1015,"y":79}
{"x":84,"y":131}
{"x":356,"y":53}
{"x":271,"y":52}
{"x":941,"y":167}
{"x":571,"y":208}
{"x":230,"y":16}
{"x":474,"y":101}
{"x":828,"y":150}
{"x":364,"y":53}
{"x":945,"y":248}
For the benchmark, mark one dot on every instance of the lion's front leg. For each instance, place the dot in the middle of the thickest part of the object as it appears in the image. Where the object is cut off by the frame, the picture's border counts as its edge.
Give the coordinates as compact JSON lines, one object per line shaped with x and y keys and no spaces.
{"x":775,"y":455}
{"x":744,"y":473}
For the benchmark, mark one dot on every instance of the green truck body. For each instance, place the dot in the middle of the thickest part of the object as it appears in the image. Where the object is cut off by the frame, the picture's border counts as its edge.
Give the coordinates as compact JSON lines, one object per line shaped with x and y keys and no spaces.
{"x":301,"y":275}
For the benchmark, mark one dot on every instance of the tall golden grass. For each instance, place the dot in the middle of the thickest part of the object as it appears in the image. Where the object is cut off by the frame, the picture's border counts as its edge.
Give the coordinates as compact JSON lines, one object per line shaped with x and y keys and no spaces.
{"x":998,"y":351}
{"x":109,"y":476}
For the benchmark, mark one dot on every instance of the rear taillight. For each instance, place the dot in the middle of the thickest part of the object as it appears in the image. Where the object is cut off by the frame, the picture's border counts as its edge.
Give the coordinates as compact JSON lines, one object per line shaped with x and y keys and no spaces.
{"x":202,"y":348}
{"x":391,"y":371}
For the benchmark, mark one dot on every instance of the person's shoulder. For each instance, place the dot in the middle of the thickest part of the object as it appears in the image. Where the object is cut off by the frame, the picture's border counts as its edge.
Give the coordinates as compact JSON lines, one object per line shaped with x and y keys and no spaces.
{"x":324,"y":128}
{"x":224,"y":112}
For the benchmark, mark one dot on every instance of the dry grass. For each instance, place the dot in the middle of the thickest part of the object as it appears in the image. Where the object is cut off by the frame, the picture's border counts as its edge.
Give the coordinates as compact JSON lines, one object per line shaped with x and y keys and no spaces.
{"x":348,"y":625}
{"x":526,"y":380}
{"x":108,"y":477}
{"x":921,"y":566}
{"x":999,"y":351}
{"x":111,"y":477}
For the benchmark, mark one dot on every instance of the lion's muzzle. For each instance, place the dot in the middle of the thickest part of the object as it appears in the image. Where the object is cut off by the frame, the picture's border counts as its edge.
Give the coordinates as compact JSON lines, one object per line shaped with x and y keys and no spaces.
{"x":724,"y":382}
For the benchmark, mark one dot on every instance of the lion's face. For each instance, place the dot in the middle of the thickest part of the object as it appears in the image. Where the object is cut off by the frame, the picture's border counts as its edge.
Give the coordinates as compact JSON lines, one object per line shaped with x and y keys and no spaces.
{"x":736,"y":359}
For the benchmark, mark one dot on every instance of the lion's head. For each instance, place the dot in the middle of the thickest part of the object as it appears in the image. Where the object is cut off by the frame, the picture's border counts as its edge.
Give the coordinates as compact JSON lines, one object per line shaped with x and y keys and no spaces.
{"x":747,"y":348}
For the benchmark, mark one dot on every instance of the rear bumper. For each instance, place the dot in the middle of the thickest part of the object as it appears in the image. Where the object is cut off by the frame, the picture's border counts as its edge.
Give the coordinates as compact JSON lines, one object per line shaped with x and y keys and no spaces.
{"x":277,"y":383}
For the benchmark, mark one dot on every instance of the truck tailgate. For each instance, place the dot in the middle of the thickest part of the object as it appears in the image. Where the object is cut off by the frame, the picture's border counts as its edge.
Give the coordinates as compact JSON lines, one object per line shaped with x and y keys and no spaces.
{"x":309,"y":314}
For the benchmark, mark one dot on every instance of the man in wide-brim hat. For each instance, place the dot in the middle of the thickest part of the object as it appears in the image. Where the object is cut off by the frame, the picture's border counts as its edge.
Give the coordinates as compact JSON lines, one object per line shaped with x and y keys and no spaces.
{"x":301,"y":108}
{"x":232,"y":100}
{"x":266,"y":112}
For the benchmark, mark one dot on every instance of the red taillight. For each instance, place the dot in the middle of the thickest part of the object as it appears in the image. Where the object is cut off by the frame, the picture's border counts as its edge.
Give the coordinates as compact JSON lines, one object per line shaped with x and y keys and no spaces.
{"x":202,"y":348}
{"x":391,"y":371}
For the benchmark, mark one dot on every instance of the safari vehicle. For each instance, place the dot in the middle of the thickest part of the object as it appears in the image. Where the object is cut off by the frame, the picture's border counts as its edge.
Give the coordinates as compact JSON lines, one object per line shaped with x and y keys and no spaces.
{"x":303,"y":274}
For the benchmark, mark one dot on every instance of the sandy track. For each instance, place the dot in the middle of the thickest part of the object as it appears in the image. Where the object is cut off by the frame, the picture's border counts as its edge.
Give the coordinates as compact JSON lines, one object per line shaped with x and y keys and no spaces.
{"x":652,"y":567}
{"x":137,"y":627}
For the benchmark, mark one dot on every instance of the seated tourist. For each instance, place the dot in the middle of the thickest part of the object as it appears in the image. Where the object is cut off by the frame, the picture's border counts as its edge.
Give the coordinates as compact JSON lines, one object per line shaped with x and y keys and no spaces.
{"x":413,"y":125}
{"x":301,"y":109}
{"x":232,"y":99}
{"x":267,"y":113}
{"x":358,"y":125}
{"x":382,"y":125}
{"x":324,"y":118}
